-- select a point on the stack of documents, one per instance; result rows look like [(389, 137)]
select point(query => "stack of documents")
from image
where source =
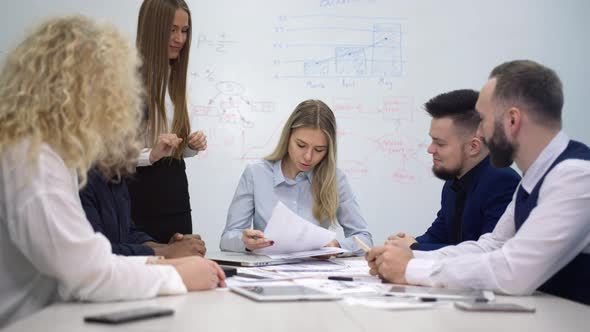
[(295, 237)]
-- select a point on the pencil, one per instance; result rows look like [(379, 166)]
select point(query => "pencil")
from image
[(361, 244)]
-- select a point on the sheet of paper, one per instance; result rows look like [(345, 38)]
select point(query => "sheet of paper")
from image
[(235, 281), (319, 268), (311, 266), (291, 233), (356, 287), (309, 269)]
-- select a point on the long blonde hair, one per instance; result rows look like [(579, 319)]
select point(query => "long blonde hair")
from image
[(324, 185), (73, 84), (153, 35)]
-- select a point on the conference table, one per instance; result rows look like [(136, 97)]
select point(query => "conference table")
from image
[(223, 310)]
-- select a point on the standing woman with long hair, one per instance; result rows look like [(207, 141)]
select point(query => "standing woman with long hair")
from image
[(301, 173), (160, 202)]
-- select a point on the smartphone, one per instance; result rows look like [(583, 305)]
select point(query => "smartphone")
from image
[(493, 306), (129, 315), (229, 271)]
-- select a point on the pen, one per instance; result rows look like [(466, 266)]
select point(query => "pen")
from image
[(340, 278), (361, 244)]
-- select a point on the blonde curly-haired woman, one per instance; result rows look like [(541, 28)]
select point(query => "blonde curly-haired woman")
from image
[(69, 98)]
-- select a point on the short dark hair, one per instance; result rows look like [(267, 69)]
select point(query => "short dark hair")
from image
[(459, 105), (533, 84)]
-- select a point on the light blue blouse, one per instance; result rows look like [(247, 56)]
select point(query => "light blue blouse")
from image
[(263, 184)]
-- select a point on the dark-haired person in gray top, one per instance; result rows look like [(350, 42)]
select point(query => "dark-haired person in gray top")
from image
[(475, 194)]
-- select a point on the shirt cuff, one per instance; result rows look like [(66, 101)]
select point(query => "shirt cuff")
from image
[(419, 271), (137, 259), (421, 254), (173, 284), (172, 281), (232, 241), (144, 158), (146, 250), (188, 152)]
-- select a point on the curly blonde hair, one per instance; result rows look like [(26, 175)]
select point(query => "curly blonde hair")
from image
[(73, 84), (324, 184)]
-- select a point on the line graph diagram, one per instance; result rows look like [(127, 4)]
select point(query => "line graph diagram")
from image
[(323, 46)]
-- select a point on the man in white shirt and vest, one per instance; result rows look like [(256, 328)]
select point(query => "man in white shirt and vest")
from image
[(542, 241)]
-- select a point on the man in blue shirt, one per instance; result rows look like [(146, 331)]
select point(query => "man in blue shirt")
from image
[(475, 194), (107, 206)]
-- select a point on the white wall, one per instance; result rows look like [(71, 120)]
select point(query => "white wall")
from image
[(374, 61)]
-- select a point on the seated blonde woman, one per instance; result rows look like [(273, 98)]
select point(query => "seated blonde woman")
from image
[(70, 99), (301, 173)]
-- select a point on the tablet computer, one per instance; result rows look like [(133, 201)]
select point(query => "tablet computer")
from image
[(283, 293)]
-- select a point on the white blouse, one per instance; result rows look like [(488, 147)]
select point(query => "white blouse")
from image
[(144, 157), (48, 250)]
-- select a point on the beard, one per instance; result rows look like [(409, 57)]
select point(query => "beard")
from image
[(501, 151), (445, 174)]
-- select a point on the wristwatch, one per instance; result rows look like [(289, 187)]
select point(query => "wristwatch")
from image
[(415, 246)]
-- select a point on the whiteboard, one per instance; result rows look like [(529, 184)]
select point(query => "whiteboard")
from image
[(375, 62)]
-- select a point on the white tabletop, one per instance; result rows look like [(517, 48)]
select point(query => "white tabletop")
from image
[(222, 310)]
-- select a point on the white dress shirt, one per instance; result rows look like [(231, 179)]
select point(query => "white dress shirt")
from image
[(48, 249), (510, 262), (261, 187), (144, 157)]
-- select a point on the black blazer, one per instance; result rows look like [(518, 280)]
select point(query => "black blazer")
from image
[(489, 193)]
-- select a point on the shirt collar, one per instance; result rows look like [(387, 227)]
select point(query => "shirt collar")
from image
[(544, 160), (277, 173), (279, 177), (466, 180)]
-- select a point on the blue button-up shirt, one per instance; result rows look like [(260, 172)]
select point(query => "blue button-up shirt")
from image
[(263, 184)]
